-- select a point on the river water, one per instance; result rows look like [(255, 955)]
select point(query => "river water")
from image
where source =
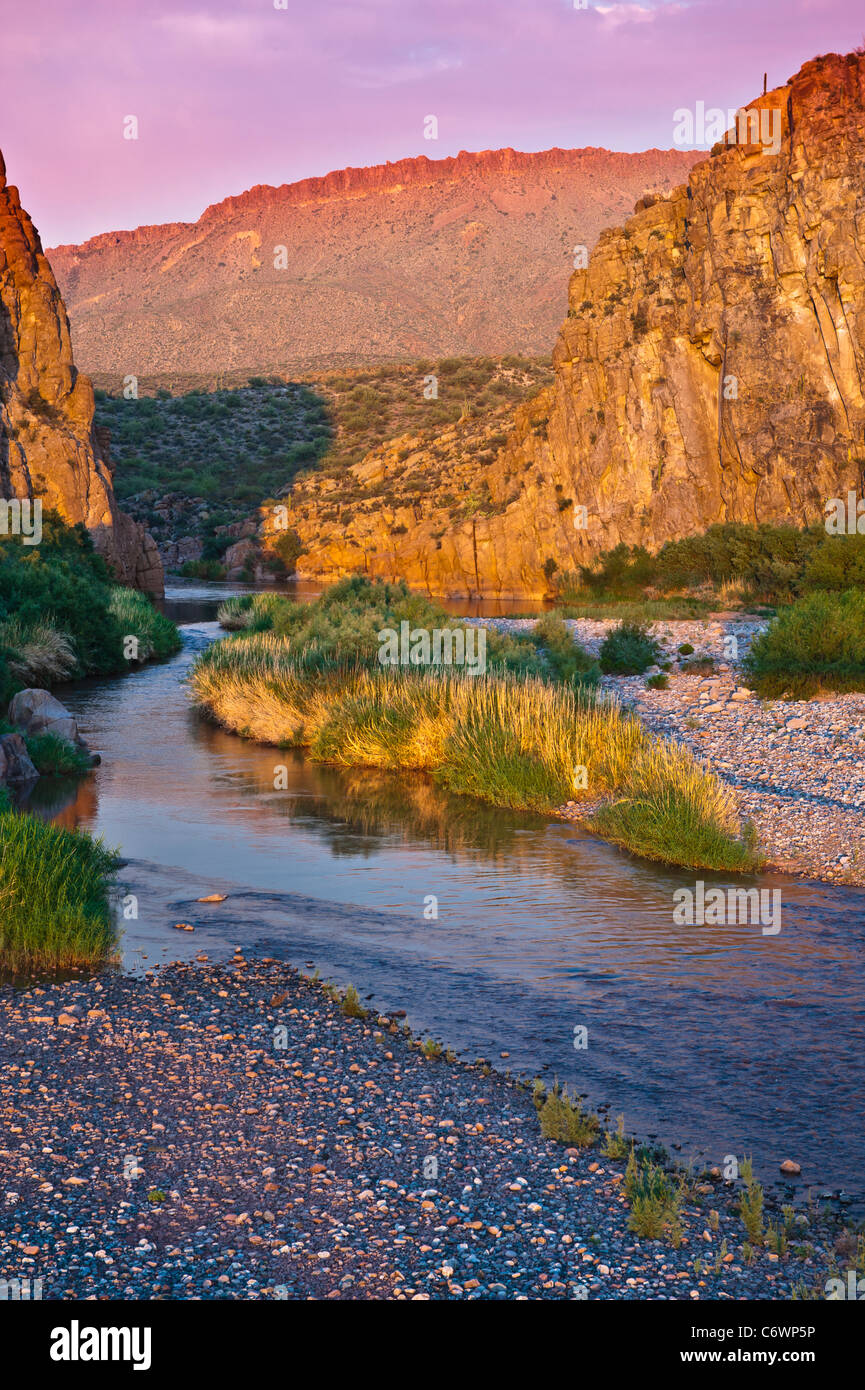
[(713, 1040)]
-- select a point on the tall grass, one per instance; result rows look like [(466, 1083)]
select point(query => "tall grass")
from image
[(137, 617), (344, 624), (54, 910), (38, 654), (510, 740)]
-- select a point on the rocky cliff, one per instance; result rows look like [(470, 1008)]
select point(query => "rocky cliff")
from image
[(48, 448), (710, 368), (421, 257)]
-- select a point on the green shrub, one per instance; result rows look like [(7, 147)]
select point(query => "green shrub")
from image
[(64, 585), (61, 616), (351, 1005), (751, 1205), (816, 644), (699, 666), (659, 681), (567, 660), (616, 1145), (202, 569), (768, 561), (836, 563), (627, 650)]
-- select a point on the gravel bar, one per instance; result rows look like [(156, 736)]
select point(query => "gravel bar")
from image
[(162, 1139), (797, 767)]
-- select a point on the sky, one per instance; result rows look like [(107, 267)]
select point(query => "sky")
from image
[(230, 93)]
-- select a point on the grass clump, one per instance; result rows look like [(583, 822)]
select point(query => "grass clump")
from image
[(54, 909), (616, 1146), (656, 1199), (136, 616), (628, 650), (57, 757), (566, 1121), (677, 812), (38, 655), (351, 1005), (751, 1205), (817, 644)]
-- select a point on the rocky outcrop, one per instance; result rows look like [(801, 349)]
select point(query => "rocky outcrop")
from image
[(37, 711), (710, 369), (422, 257), (48, 448)]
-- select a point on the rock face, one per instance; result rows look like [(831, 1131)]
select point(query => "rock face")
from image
[(421, 257), (710, 369), (47, 444)]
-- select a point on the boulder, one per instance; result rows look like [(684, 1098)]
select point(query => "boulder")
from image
[(15, 764), (37, 712)]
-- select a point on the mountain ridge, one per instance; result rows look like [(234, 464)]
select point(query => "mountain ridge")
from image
[(464, 255)]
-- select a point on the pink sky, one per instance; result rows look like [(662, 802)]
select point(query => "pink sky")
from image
[(231, 93)]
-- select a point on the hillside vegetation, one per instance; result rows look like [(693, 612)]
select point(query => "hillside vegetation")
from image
[(195, 464)]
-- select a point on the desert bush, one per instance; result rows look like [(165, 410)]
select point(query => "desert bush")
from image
[(566, 658), (628, 650), (816, 644)]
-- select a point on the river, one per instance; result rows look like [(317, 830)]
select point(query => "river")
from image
[(712, 1040)]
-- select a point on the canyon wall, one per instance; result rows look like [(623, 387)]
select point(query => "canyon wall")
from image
[(710, 369), (48, 447)]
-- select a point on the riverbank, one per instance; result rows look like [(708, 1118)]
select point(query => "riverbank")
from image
[(796, 767), (163, 1139)]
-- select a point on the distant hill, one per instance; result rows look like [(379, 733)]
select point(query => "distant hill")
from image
[(468, 255)]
